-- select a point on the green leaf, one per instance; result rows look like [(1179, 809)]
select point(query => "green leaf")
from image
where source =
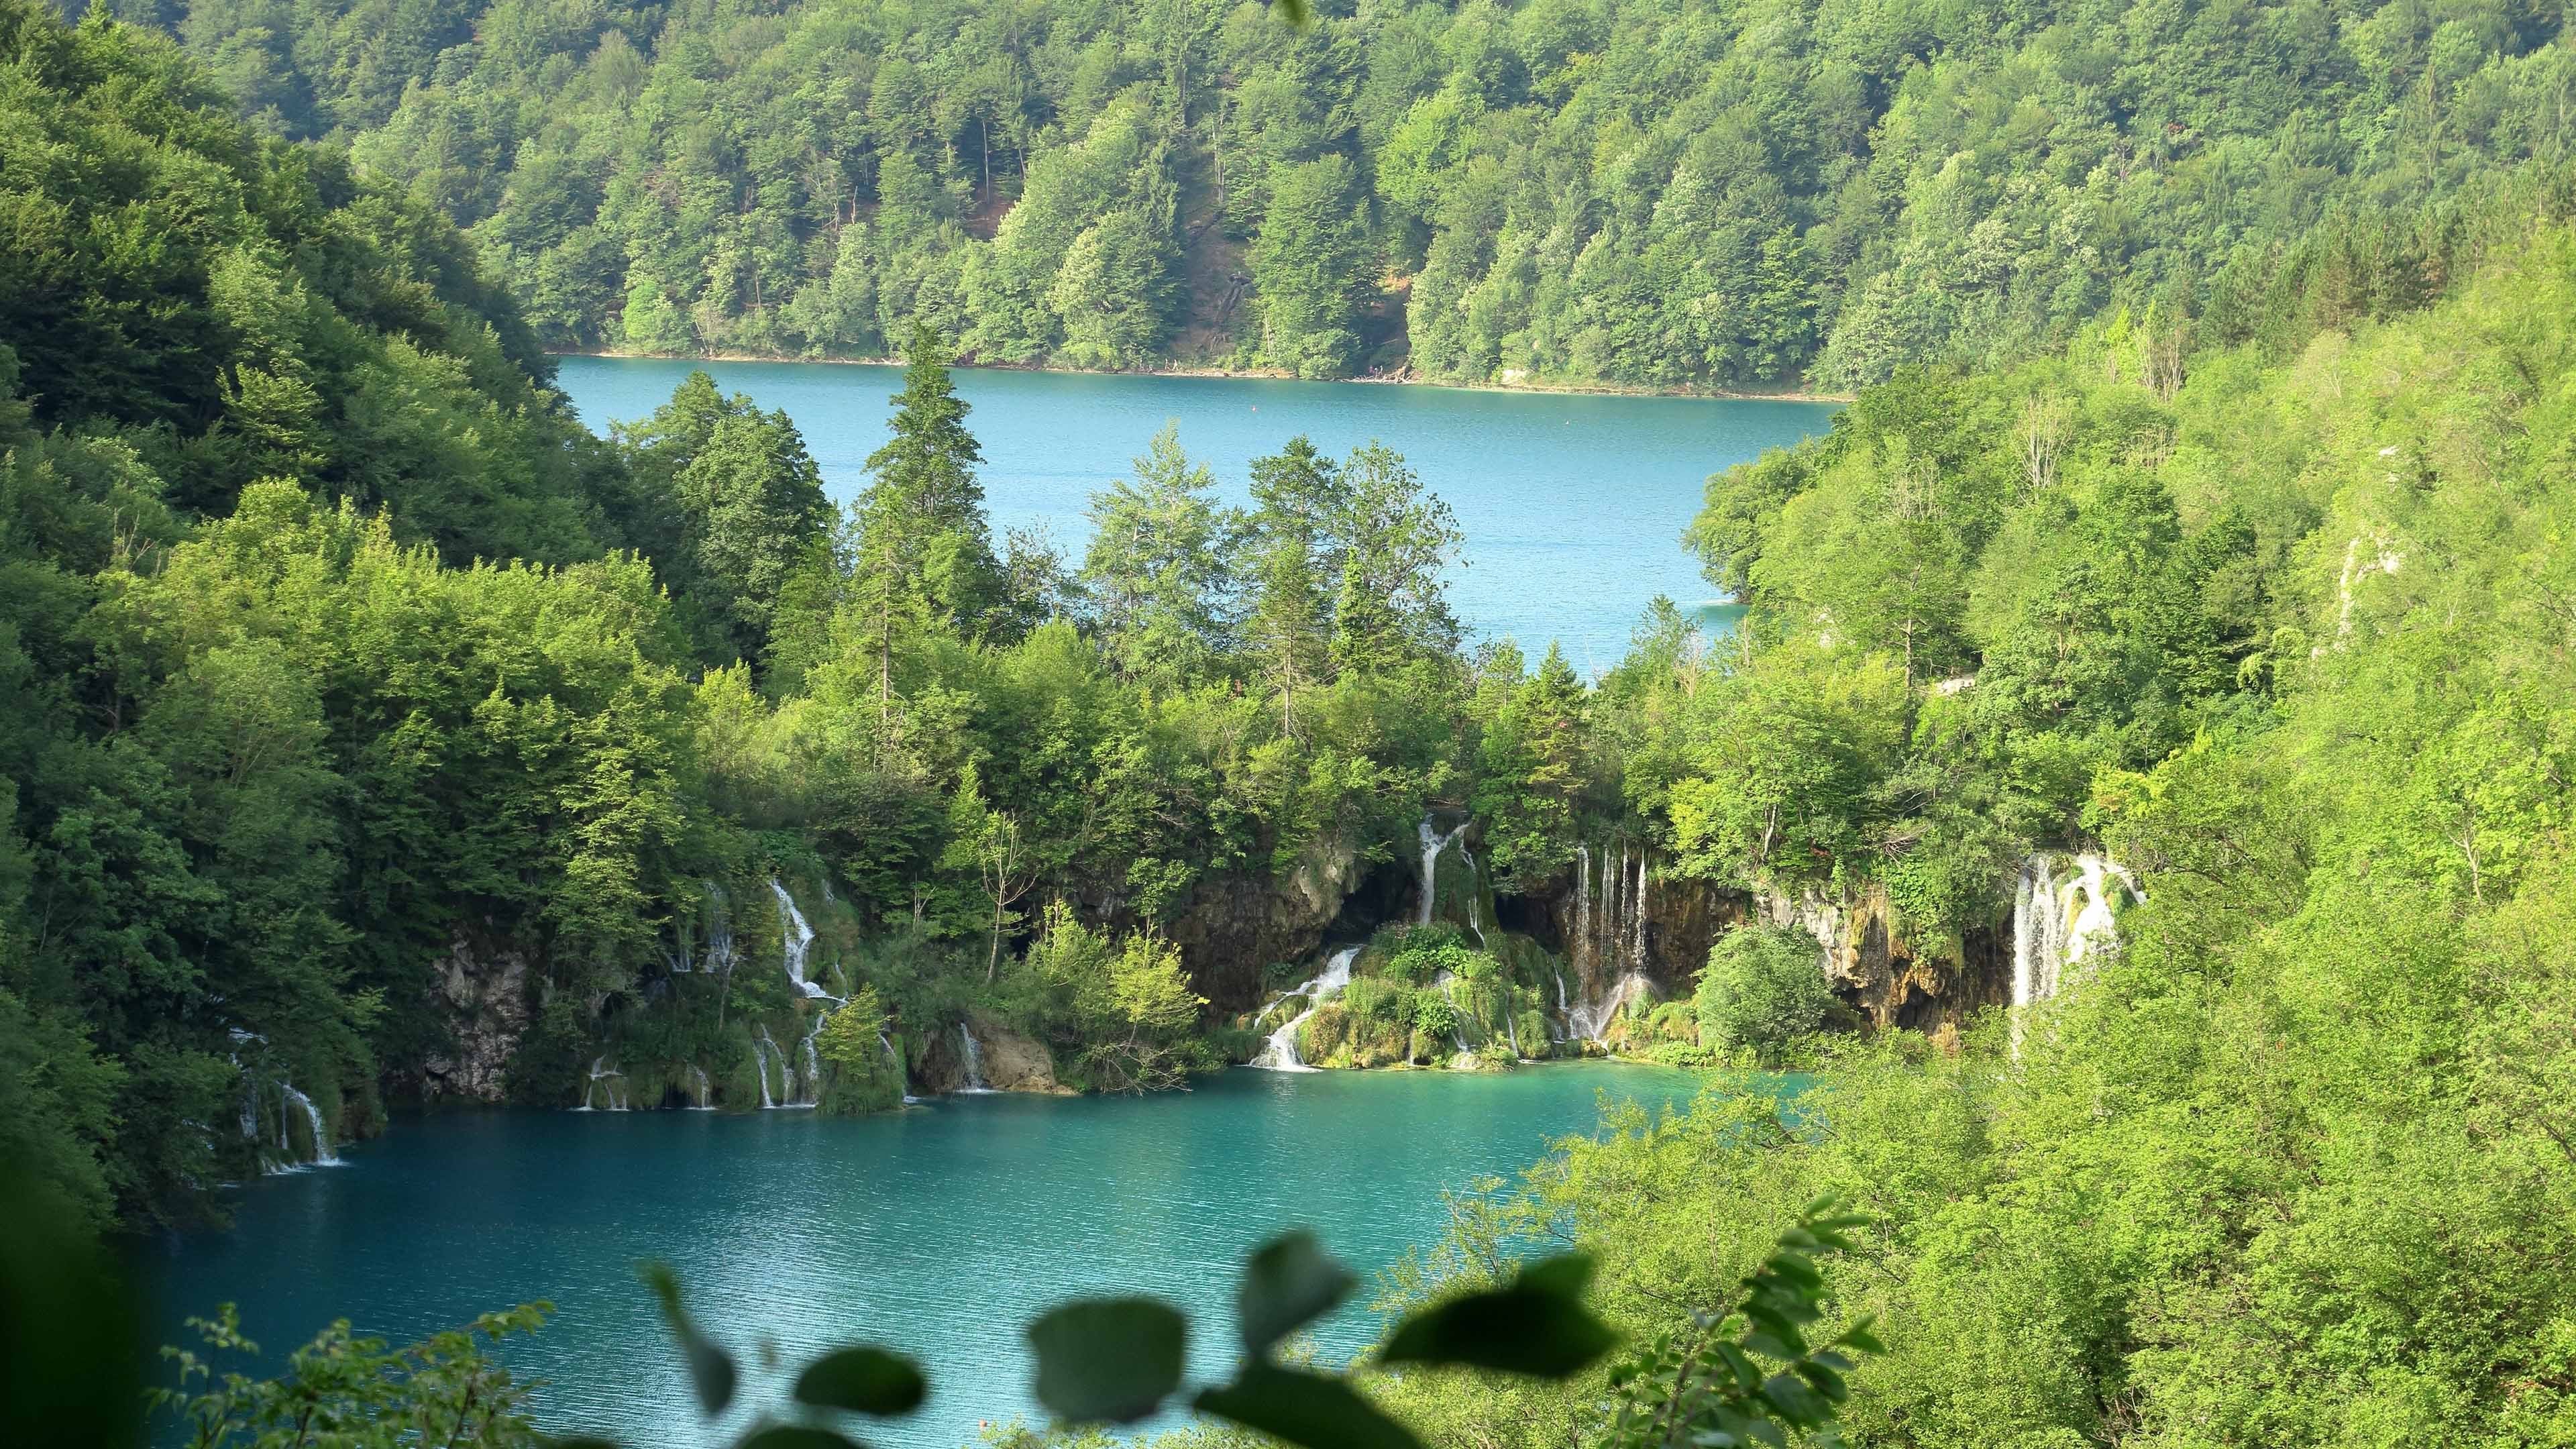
[(1797, 1403), (1537, 1326), (711, 1369), (1108, 1359), (793, 1436), (1297, 1407), (862, 1380), (1288, 1284), (1292, 11)]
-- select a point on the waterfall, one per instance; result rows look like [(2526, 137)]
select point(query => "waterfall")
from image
[(614, 1092), (1582, 899), (1476, 903), (795, 938), (1279, 1054), (706, 1090), (1433, 842), (974, 1060), (323, 1156), (760, 1054), (1564, 1013), (1512, 1028), (1589, 1020), (810, 1093), (2059, 922), (1637, 918), (719, 932)]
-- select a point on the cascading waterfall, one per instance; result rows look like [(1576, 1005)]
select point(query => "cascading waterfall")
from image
[(795, 939), (1582, 899), (1637, 919), (1279, 1053), (761, 1051), (706, 1090), (323, 1156), (1433, 842), (902, 1079), (2059, 922), (1447, 981), (1476, 902), (1592, 1018), (1609, 937), (810, 1087), (614, 1090), (974, 1059)]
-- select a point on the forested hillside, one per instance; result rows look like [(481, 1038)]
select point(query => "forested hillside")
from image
[(1644, 193), (372, 727), (2289, 635)]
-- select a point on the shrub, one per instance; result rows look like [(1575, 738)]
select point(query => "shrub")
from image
[(1764, 987)]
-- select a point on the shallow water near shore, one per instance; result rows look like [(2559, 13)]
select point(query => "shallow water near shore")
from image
[(938, 1231), (1572, 504)]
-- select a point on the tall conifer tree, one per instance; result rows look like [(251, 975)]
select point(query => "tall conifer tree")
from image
[(925, 552)]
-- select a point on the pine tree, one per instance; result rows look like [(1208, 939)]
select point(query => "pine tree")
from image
[(925, 553), (1299, 528)]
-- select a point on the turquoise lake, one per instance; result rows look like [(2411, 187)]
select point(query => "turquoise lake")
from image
[(938, 1231), (1572, 506)]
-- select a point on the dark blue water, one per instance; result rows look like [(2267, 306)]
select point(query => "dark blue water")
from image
[(1573, 506), (939, 1231)]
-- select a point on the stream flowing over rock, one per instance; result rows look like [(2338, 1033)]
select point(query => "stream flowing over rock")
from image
[(2063, 919), (1279, 1051)]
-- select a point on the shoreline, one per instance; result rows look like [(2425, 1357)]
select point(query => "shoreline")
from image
[(1558, 389)]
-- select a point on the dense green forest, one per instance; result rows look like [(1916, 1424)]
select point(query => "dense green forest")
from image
[(1643, 193), (338, 657)]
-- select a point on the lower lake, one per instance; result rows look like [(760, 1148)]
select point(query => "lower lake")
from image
[(939, 1231), (1572, 505)]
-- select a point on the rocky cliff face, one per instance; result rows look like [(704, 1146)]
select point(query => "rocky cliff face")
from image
[(484, 986), (1889, 981), (1002, 1061), (1235, 925), (1614, 913)]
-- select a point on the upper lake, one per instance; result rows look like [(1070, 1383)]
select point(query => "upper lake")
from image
[(1572, 505), (938, 1231)]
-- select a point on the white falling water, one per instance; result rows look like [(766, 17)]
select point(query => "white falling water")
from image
[(809, 1090), (719, 932), (1433, 842), (1476, 903), (1447, 981), (706, 1101), (1591, 1019), (1512, 1029), (1564, 1013), (762, 1050), (1279, 1053), (974, 1060), (606, 1089), (323, 1156), (2060, 922), (795, 938), (1582, 898), (1637, 919)]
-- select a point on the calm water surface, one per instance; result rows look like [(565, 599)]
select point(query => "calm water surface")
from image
[(1573, 506), (939, 1231)]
